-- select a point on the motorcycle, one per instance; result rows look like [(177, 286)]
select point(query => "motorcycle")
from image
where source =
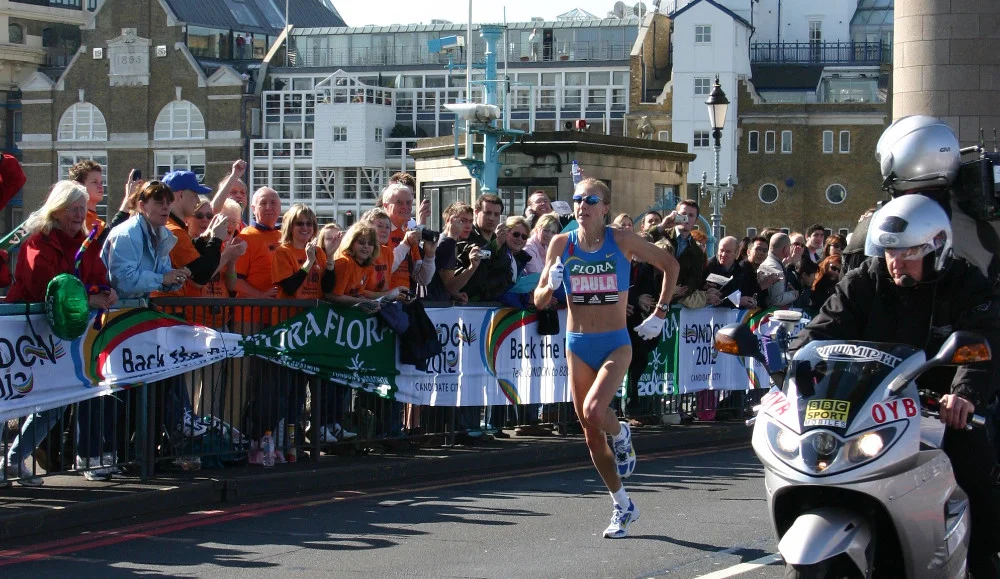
[(857, 484)]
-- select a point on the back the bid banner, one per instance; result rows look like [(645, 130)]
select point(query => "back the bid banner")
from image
[(489, 356), (131, 347)]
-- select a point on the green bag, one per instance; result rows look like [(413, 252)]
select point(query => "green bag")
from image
[(67, 307)]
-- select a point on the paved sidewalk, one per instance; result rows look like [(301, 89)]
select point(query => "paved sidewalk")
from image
[(68, 501)]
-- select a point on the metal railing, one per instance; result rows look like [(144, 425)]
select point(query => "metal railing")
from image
[(313, 56), (213, 417), (871, 53)]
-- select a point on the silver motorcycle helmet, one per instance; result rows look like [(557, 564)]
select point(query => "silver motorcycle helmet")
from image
[(912, 227), (917, 152)]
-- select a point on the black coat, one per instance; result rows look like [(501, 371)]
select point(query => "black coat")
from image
[(493, 277), (867, 305)]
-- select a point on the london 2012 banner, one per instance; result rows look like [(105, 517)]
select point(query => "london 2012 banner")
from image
[(489, 356), (130, 347)]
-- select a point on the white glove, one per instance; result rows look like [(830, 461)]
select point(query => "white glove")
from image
[(651, 327), (556, 274)]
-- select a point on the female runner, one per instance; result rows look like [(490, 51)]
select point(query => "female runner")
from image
[(593, 263)]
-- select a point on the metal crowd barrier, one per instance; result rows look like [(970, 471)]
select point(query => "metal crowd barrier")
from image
[(213, 417)]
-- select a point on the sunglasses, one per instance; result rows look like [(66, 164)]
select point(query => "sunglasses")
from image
[(206, 215), (837, 269), (303, 224), (517, 235), (588, 199)]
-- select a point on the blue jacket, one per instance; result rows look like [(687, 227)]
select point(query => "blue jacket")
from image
[(135, 267)]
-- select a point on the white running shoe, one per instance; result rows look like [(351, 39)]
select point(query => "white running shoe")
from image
[(624, 453), (191, 426), (335, 433), (620, 520), (94, 474)]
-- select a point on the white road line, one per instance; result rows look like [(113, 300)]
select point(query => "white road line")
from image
[(742, 567)]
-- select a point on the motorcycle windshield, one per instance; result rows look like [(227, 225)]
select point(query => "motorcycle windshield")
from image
[(833, 379)]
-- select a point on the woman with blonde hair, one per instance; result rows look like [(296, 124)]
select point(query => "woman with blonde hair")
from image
[(299, 265), (56, 235), (354, 267), (593, 265), (545, 228)]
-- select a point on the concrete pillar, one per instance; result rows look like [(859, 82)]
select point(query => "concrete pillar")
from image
[(946, 63)]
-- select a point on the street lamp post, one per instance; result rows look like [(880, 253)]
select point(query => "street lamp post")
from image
[(717, 192)]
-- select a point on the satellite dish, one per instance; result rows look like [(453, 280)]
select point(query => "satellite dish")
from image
[(619, 9), (639, 9)]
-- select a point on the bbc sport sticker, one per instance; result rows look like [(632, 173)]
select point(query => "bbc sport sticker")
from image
[(827, 413)]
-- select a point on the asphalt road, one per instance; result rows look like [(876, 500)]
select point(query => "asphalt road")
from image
[(702, 516)]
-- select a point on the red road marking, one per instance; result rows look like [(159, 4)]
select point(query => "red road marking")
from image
[(88, 541)]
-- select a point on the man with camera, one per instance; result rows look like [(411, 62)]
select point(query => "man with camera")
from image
[(676, 230), (411, 267), (493, 276)]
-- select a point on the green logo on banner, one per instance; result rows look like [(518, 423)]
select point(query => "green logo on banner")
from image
[(338, 344)]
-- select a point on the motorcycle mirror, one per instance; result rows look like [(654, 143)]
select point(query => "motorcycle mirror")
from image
[(961, 347), (738, 340)]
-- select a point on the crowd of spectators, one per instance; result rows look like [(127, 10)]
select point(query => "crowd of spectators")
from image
[(170, 239)]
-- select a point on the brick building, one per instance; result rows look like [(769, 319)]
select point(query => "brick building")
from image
[(804, 163), (156, 85)]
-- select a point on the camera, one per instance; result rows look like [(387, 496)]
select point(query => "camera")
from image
[(485, 254), (680, 218), (426, 233)]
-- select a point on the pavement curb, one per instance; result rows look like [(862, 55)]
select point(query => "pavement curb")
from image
[(174, 496)]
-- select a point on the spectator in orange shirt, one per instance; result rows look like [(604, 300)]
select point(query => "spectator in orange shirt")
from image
[(413, 269), (89, 174), (299, 266), (354, 266), (253, 281), (253, 268), (388, 258)]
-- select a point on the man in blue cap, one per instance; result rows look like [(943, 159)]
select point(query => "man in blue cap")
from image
[(201, 257)]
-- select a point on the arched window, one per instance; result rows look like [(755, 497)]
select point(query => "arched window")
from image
[(83, 122), (836, 194), (180, 120), (15, 34), (768, 193)]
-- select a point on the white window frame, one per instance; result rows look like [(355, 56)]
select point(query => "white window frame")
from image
[(841, 148), (340, 134), (704, 33), (769, 141), (827, 194), (165, 161), (827, 146), (662, 135), (378, 134), (785, 150), (702, 85), (705, 136), (753, 142), (180, 120), (751, 232), (760, 194), (82, 122)]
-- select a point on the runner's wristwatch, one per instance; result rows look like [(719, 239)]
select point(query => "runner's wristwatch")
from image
[(665, 308)]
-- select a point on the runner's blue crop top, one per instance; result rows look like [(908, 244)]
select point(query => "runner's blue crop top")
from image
[(595, 278)]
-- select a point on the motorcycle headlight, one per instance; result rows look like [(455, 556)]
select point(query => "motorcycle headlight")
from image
[(867, 446), (787, 441), (783, 442)]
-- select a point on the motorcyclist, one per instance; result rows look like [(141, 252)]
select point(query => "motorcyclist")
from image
[(913, 291), (921, 154)]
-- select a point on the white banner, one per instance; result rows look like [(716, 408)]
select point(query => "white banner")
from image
[(490, 356), (699, 365), (39, 371)]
